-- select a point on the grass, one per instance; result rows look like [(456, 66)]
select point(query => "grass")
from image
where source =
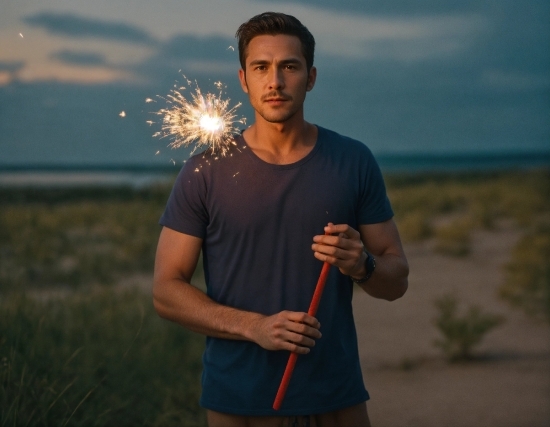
[(527, 274), (94, 355), (454, 238), (86, 238), (99, 356), (96, 359), (461, 332), (473, 201)]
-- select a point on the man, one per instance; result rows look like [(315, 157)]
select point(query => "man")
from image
[(288, 196)]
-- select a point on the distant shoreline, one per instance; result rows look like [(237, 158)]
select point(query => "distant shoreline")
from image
[(390, 161), (140, 175)]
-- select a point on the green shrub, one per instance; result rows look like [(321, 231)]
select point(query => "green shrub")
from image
[(461, 333), (104, 359), (454, 238), (483, 198), (414, 227), (527, 279)]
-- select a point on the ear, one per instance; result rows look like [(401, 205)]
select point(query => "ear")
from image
[(242, 79), (311, 78)]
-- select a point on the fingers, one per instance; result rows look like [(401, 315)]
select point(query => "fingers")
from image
[(302, 318), (343, 248), (329, 253), (288, 330), (344, 229), (341, 235)]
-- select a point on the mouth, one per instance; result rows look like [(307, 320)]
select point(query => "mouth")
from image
[(276, 100)]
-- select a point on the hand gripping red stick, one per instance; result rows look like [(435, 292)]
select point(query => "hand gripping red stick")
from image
[(294, 356)]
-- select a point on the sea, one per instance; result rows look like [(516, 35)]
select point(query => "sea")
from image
[(140, 175)]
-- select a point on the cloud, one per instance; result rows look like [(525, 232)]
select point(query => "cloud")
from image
[(193, 55), (186, 46), (394, 8), (80, 27), (397, 38), (375, 30), (79, 58), (515, 81), (11, 66), (9, 71)]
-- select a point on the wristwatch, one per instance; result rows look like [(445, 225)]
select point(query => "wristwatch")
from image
[(370, 265)]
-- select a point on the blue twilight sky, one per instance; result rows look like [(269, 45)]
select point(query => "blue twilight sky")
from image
[(403, 76)]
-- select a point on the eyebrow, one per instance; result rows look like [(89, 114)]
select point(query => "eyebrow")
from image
[(283, 62)]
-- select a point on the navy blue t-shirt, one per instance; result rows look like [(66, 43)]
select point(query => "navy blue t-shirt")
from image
[(257, 221)]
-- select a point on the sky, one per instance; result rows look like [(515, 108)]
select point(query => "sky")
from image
[(424, 76)]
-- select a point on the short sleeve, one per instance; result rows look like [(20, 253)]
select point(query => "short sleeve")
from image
[(186, 207), (374, 205)]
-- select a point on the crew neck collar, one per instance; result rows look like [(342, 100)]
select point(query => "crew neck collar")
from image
[(298, 163)]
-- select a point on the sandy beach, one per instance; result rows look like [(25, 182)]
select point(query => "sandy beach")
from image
[(408, 378)]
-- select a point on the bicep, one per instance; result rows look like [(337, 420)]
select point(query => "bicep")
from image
[(382, 238), (177, 256)]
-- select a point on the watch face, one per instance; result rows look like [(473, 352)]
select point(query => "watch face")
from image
[(373, 264), (370, 265)]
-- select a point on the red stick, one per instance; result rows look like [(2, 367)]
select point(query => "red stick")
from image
[(294, 356)]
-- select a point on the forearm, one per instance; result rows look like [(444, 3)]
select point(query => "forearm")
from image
[(177, 300), (344, 247), (390, 278), (183, 303)]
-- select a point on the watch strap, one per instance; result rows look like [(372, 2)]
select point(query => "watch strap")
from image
[(370, 265)]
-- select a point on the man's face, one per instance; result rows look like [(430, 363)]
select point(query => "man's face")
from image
[(276, 77)]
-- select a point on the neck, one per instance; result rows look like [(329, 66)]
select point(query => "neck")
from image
[(281, 143)]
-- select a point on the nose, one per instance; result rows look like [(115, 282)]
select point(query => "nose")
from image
[(276, 79)]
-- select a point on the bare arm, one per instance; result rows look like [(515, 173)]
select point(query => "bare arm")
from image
[(176, 299), (344, 249)]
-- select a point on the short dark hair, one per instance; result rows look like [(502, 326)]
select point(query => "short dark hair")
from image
[(273, 23)]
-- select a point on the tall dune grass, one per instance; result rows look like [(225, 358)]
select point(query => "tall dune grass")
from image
[(96, 359), (100, 356), (422, 203), (79, 238)]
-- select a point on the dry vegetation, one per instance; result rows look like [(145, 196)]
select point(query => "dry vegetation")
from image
[(100, 356)]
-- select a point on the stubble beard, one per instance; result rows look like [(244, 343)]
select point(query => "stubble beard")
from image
[(276, 117), (279, 115)]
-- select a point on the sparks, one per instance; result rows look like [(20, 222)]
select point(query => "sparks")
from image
[(122, 114), (21, 35), (205, 120)]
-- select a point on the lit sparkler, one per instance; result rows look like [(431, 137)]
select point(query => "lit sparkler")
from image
[(206, 120)]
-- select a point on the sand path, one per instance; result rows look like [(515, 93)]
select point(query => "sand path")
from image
[(409, 381)]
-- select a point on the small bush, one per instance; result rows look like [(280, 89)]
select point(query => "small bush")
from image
[(461, 333), (415, 227), (454, 238), (527, 280)]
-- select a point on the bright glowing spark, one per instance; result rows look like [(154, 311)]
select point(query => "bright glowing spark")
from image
[(205, 120), (21, 35), (149, 100), (122, 114)]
